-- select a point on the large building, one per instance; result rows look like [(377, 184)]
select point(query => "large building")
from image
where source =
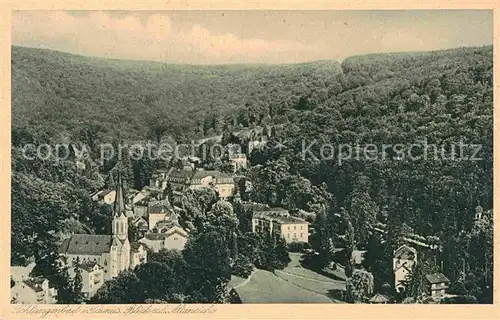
[(189, 178), (278, 220), (405, 259), (113, 253)]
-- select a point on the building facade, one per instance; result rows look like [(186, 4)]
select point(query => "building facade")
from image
[(33, 291), (405, 259), (190, 178), (174, 238), (92, 277), (278, 220), (437, 284), (114, 252)]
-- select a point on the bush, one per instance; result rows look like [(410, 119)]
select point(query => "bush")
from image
[(242, 267), (298, 246)]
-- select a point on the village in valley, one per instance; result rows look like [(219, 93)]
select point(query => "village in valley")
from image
[(188, 157), (154, 220)]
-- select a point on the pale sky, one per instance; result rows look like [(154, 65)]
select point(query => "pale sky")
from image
[(217, 37)]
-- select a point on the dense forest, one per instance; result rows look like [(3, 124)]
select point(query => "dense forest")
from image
[(442, 97)]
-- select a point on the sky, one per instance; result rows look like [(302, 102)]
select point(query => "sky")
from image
[(253, 36)]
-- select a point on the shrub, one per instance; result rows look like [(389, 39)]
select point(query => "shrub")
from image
[(242, 266)]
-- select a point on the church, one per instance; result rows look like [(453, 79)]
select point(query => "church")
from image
[(113, 253)]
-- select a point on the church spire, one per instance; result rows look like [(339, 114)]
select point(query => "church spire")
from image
[(119, 208)]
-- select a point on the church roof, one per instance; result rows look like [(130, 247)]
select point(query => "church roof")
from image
[(119, 206), (90, 244)]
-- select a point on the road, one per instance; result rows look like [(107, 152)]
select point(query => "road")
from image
[(294, 284)]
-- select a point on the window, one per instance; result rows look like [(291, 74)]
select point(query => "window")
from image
[(295, 235), (294, 227), (288, 228), (301, 235), (301, 227)]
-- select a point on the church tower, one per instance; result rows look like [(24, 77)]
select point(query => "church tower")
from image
[(120, 245), (120, 221)]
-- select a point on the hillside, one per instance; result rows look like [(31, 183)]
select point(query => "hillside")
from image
[(59, 92), (443, 97)]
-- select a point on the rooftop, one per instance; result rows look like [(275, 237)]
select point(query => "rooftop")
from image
[(379, 298), (436, 278), (90, 244), (405, 252), (281, 219), (87, 265), (35, 283)]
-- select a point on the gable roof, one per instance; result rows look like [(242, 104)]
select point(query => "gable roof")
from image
[(35, 283), (87, 265), (90, 244), (135, 246), (200, 174), (160, 207), (405, 252), (436, 278), (379, 298), (168, 233)]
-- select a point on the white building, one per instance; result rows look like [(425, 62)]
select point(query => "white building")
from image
[(405, 258)]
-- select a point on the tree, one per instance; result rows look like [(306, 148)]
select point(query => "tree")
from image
[(208, 271), (77, 286), (416, 283), (159, 281), (321, 239), (124, 289), (350, 244), (359, 286), (363, 210)]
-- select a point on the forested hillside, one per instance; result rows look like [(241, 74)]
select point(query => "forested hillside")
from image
[(60, 92), (443, 97)]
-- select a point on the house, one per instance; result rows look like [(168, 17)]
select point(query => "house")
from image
[(189, 178), (479, 212), (238, 161), (405, 258), (141, 207), (221, 182), (92, 277), (437, 284), (379, 299), (106, 196), (278, 220), (112, 252), (159, 211), (20, 273), (33, 291), (172, 237), (133, 196), (357, 258)]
